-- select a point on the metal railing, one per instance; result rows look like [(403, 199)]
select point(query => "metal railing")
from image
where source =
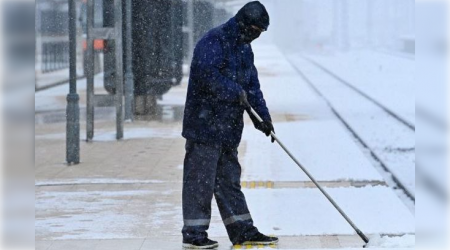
[(55, 56)]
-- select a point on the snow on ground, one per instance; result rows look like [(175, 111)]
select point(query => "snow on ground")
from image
[(375, 210), (55, 98), (314, 135), (406, 242), (392, 242), (318, 145), (304, 123), (94, 181), (49, 78), (102, 135), (125, 212), (393, 142), (108, 214), (86, 214), (284, 90), (386, 78)]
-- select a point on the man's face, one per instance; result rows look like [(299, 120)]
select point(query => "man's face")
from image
[(250, 33)]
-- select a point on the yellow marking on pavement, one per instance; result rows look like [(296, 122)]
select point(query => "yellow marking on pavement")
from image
[(249, 246), (292, 117), (260, 246), (237, 246), (257, 184), (272, 245)]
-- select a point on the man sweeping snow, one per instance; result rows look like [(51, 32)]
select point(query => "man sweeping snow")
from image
[(223, 83)]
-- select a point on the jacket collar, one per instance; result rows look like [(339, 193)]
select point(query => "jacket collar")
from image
[(231, 29)]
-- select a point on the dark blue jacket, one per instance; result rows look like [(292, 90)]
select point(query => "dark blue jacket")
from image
[(221, 67)]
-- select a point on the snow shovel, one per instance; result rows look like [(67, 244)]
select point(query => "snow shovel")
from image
[(359, 232)]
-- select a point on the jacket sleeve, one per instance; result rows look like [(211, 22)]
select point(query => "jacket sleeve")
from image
[(256, 98), (206, 62)]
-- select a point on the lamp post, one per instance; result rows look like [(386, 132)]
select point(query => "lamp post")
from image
[(73, 109)]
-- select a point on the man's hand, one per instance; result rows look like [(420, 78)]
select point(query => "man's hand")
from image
[(243, 99), (267, 128)]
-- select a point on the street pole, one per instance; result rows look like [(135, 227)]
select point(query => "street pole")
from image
[(73, 109), (118, 54), (190, 24), (129, 85)]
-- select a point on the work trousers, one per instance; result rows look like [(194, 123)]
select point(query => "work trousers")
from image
[(213, 170)]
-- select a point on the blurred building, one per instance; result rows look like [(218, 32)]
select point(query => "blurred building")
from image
[(344, 24)]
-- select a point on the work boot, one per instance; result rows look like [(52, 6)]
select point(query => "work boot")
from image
[(258, 239), (204, 243)]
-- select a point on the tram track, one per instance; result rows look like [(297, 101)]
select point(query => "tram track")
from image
[(397, 182), (362, 93)]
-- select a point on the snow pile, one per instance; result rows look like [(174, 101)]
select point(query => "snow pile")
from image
[(377, 241)]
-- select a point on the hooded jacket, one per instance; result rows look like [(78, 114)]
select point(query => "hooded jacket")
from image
[(221, 68)]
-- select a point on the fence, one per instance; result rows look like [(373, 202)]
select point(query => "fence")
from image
[(55, 56)]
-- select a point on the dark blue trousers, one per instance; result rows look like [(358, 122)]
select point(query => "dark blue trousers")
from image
[(213, 170)]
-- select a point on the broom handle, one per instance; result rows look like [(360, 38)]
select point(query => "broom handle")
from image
[(359, 232)]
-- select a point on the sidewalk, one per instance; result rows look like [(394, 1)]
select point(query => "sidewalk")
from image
[(55, 78), (127, 194)]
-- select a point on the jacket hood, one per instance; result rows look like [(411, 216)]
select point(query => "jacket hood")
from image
[(253, 13)]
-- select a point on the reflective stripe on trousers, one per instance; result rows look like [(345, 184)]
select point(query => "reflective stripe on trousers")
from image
[(235, 218), (199, 222)]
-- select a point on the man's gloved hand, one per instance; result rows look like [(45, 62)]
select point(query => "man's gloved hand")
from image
[(243, 99), (266, 127)]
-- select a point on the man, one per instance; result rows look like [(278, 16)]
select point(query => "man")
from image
[(223, 83)]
